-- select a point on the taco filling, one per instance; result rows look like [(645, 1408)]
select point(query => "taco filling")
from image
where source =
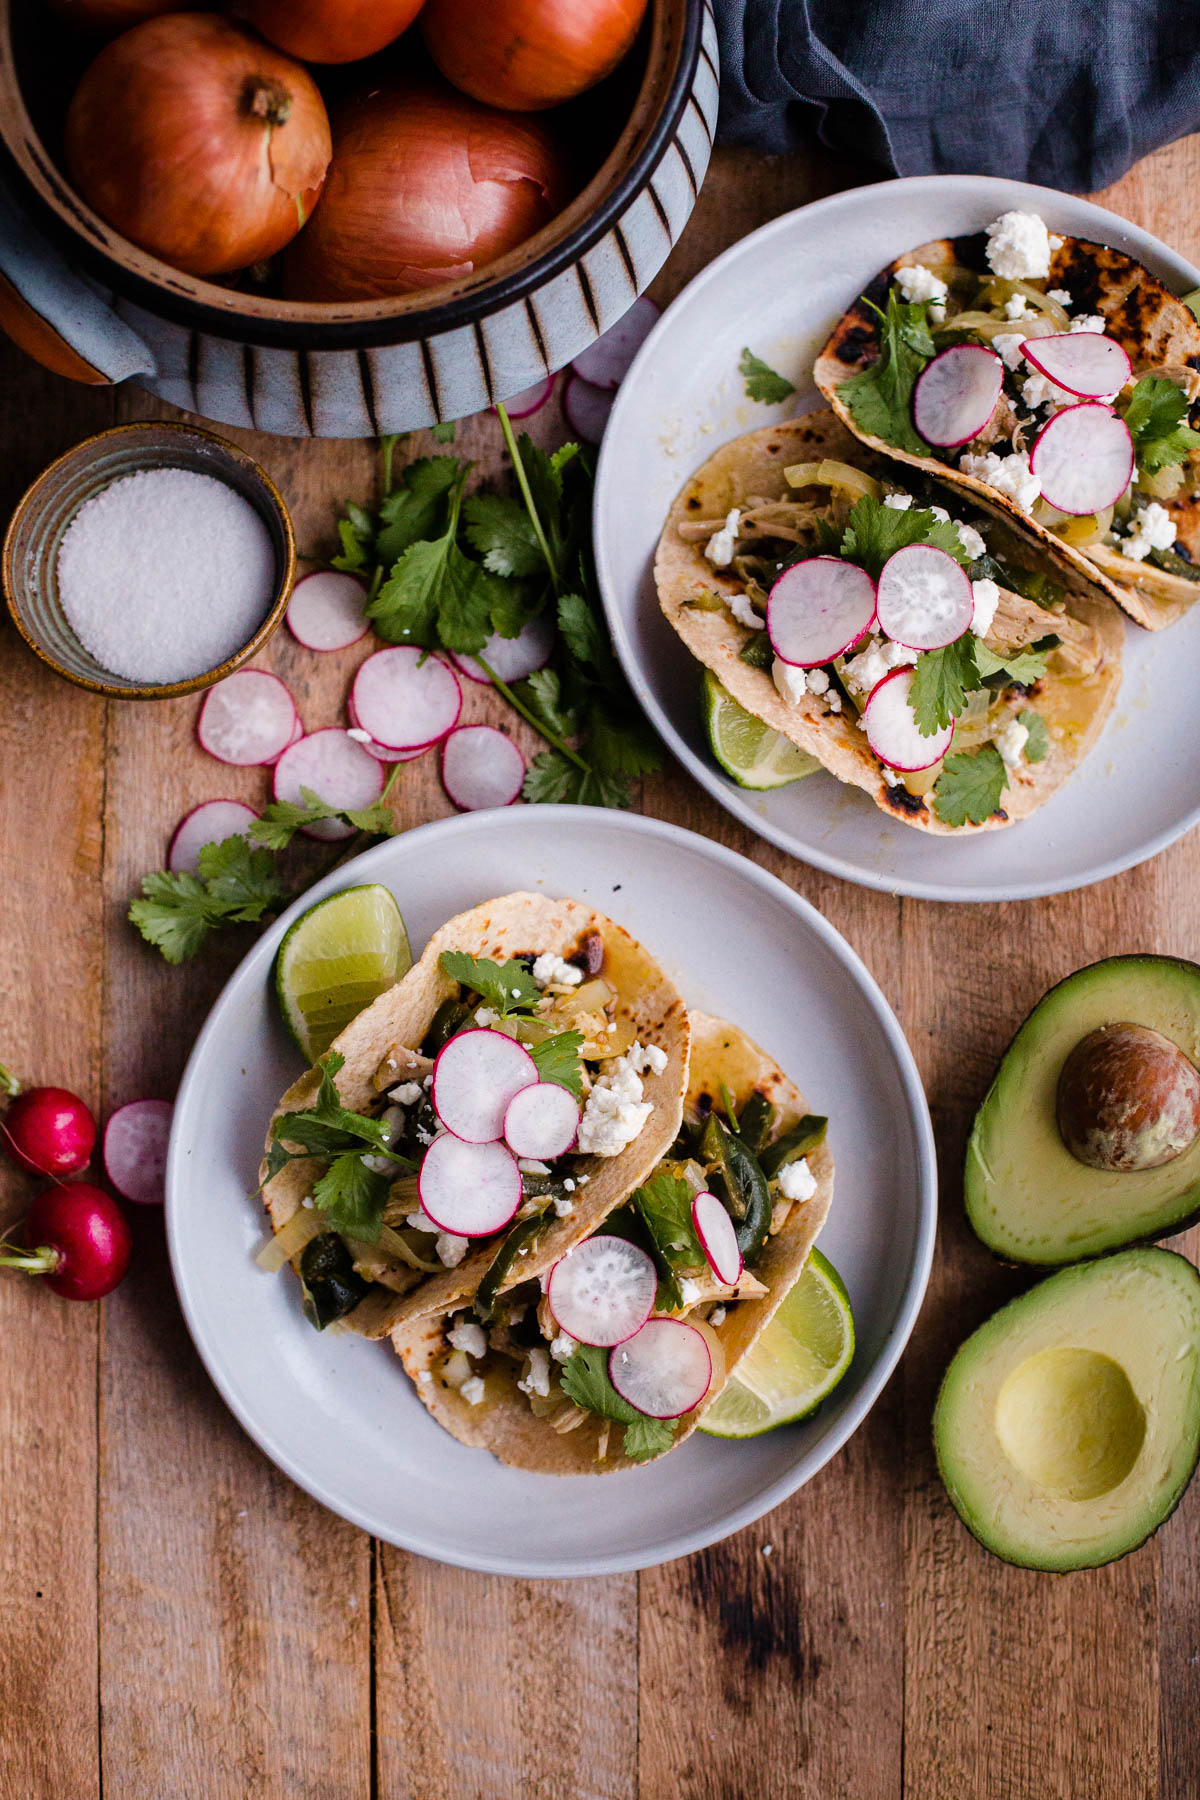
[(922, 653), (1058, 374), (608, 1354), (531, 1088)]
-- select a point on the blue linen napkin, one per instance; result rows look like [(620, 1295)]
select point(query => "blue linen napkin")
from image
[(1066, 95)]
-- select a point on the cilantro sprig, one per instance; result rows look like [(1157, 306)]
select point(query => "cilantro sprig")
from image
[(969, 786), (875, 532), (1155, 417), (943, 678), (557, 1059), (762, 381), (586, 1381), (351, 1195), (664, 1205), (506, 987), (880, 397)]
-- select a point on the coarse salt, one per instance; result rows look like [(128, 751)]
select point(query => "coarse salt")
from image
[(165, 574)]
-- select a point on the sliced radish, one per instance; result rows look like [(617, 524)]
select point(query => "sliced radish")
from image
[(529, 400), (587, 408), (819, 608), (1083, 458), (406, 698), (135, 1150), (891, 726), (335, 768), (512, 659), (475, 1076), (718, 1238), (924, 598), (603, 1290), (297, 734), (326, 610), (956, 394), (481, 767), (541, 1121), (379, 751), (1086, 363), (470, 1190), (605, 363), (664, 1370), (250, 717), (207, 824)]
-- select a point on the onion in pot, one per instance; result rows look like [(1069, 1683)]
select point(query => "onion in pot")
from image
[(199, 142), (529, 54), (330, 31), (109, 16), (425, 187)]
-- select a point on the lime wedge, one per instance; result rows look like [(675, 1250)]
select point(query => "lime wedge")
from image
[(338, 957), (798, 1360), (751, 752)]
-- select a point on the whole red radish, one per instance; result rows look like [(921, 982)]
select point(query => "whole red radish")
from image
[(49, 1131), (77, 1239)]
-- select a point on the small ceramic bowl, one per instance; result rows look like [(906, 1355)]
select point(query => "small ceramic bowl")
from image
[(29, 559)]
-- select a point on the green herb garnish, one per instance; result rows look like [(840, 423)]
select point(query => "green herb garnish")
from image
[(557, 1059), (505, 987), (1037, 744), (943, 678), (1155, 417), (235, 885), (875, 532), (880, 397), (282, 819), (969, 786), (762, 381), (585, 1381), (351, 1195)]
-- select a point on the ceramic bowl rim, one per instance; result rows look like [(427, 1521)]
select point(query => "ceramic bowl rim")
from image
[(83, 242), (195, 683)]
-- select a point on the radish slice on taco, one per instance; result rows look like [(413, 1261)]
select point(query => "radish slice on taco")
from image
[(609, 1354), (944, 661), (1067, 325), (396, 1166)]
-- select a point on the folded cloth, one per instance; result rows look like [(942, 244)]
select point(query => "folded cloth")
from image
[(1066, 96)]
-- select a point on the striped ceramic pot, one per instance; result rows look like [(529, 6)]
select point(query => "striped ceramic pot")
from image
[(84, 301)]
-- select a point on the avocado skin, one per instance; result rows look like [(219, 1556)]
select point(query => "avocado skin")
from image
[(1048, 1563), (1176, 1185)]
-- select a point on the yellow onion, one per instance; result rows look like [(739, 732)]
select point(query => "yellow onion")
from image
[(199, 142), (330, 31), (425, 187), (109, 16), (529, 54)]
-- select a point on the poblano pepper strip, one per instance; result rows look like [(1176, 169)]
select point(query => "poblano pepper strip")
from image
[(803, 1137), (742, 1184), (519, 1238)]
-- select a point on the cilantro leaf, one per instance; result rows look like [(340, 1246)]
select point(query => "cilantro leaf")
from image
[(622, 744), (234, 885), (416, 509), (1024, 666), (940, 683), (880, 397), (585, 637), (328, 1128), (541, 692), (505, 987), (762, 381), (443, 431), (499, 527), (970, 786), (585, 1380), (1155, 417), (282, 819), (557, 1059), (665, 1205), (357, 547), (553, 777), (352, 1197), (875, 532), (1037, 744)]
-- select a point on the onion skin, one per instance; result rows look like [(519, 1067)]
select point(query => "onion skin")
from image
[(199, 142), (528, 54), (425, 187), (330, 31)]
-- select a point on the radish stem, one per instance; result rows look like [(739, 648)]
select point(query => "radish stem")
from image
[(543, 731), (42, 1261)]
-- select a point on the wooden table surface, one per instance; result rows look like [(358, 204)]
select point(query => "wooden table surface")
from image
[(177, 1620)]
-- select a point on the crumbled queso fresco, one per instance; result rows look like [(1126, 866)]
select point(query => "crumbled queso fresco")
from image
[(722, 544), (1152, 528), (616, 1111), (1009, 475), (796, 1180), (1019, 246), (1011, 741), (986, 595), (552, 970)]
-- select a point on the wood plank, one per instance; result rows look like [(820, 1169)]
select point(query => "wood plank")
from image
[(51, 792)]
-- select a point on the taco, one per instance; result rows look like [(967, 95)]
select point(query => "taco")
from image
[(1124, 478), (500, 1372), (972, 735), (533, 994)]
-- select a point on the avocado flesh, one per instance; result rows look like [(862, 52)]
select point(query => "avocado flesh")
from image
[(1068, 1426), (1026, 1196)]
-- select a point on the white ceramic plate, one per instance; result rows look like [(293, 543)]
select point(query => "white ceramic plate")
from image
[(339, 1416), (779, 292)]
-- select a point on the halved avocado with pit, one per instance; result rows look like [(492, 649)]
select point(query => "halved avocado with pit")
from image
[(1068, 1426), (1027, 1196)]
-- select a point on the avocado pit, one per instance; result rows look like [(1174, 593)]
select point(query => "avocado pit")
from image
[(1128, 1099)]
